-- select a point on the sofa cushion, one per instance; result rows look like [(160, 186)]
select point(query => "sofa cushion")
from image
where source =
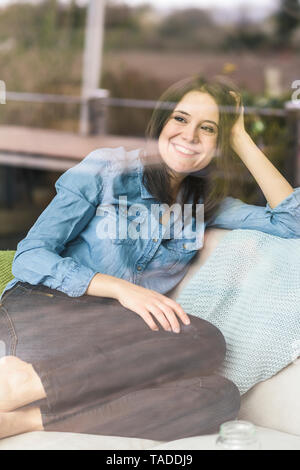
[(249, 290), (212, 238), (272, 403), (275, 402), (6, 259), (269, 440), (41, 440)]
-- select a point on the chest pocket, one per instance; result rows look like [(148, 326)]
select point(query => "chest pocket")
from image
[(182, 246), (116, 224)]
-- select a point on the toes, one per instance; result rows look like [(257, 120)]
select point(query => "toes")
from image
[(5, 430), (12, 361), (19, 422), (5, 359), (14, 377), (19, 384)]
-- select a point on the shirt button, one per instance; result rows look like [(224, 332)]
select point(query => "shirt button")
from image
[(139, 268), (185, 246), (154, 240)]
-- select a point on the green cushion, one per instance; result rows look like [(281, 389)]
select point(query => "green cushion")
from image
[(6, 259)]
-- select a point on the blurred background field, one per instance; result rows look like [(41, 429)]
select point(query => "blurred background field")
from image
[(147, 48)]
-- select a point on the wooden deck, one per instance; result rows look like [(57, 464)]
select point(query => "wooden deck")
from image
[(54, 150)]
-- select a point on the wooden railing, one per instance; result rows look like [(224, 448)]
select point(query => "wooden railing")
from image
[(99, 101)]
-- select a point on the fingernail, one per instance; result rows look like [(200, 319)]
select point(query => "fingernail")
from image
[(176, 330)]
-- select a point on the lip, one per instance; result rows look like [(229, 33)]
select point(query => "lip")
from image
[(181, 153)]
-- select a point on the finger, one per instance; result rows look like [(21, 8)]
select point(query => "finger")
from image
[(238, 99), (178, 310), (149, 320), (160, 316), (170, 315), (236, 96)]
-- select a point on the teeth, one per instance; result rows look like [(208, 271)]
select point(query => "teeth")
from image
[(184, 150)]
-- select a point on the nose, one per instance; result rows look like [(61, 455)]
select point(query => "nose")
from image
[(190, 134)]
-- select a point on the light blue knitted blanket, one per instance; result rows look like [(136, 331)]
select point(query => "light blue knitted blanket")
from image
[(249, 288)]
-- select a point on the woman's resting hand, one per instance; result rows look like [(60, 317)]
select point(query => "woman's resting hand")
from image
[(148, 303)]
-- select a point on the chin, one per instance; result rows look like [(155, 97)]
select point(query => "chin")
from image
[(180, 170), (185, 169)]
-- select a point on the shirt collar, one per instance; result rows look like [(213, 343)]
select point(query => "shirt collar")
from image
[(144, 192)]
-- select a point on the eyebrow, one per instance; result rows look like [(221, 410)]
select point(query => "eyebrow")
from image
[(187, 114)]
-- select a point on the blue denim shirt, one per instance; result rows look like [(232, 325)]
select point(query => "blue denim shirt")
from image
[(72, 239)]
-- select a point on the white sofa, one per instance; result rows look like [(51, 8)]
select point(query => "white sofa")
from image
[(273, 406)]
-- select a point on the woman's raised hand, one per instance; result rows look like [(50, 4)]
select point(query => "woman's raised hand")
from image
[(151, 305), (238, 128)]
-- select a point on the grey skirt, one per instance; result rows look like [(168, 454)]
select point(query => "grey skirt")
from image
[(105, 372)]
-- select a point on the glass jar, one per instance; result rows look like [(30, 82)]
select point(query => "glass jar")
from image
[(237, 435)]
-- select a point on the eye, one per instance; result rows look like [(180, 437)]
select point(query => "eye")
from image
[(208, 129), (179, 118)]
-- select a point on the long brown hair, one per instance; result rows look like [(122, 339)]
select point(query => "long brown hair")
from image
[(212, 184)]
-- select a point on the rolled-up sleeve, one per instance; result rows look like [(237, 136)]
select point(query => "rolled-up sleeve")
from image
[(283, 220), (37, 259)]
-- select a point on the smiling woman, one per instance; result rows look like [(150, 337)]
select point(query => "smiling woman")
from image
[(193, 140), (187, 144), (79, 316)]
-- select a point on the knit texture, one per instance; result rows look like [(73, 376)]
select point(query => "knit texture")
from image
[(6, 259), (250, 289)]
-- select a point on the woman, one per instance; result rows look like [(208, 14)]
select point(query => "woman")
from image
[(83, 363)]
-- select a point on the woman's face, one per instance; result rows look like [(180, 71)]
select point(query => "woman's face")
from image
[(188, 140)]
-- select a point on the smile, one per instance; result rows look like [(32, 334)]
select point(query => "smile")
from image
[(183, 150)]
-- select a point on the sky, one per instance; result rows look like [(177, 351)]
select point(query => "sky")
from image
[(205, 4), (166, 4), (223, 10)]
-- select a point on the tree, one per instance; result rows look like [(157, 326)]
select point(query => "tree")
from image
[(48, 23), (192, 28), (287, 20), (183, 22)]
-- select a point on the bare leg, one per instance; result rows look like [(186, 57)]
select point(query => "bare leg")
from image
[(19, 384), (20, 421)]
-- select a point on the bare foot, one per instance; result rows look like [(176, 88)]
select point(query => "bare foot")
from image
[(19, 384), (18, 422)]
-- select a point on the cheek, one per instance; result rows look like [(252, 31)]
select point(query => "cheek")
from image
[(210, 146), (163, 139), (168, 131)]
